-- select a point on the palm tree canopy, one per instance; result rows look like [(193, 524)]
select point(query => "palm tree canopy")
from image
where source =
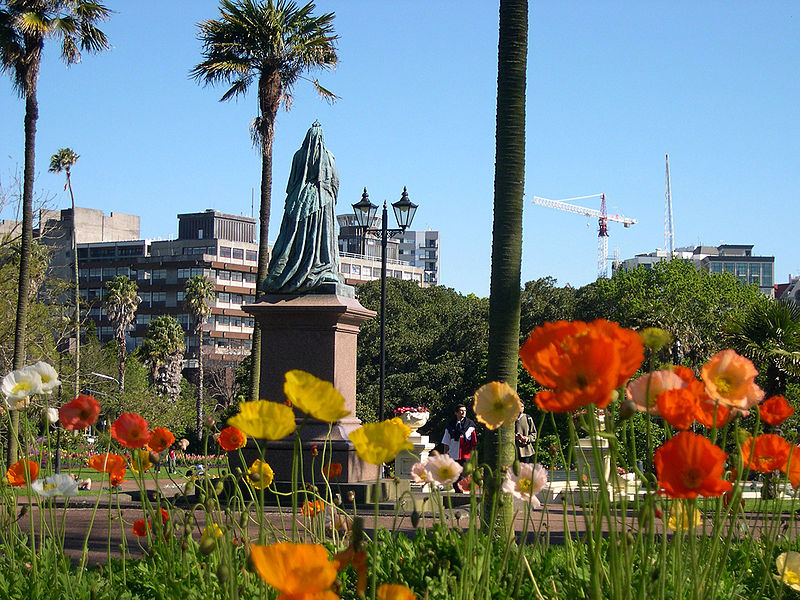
[(769, 334), (121, 302), (63, 160), (163, 340), (199, 294), (265, 39), (26, 24)]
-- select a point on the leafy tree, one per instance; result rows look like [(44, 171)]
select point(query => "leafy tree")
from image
[(64, 160), (769, 335), (509, 184), (542, 301), (121, 303), (693, 305), (272, 43), (197, 300), (435, 349), (25, 25), (162, 350)]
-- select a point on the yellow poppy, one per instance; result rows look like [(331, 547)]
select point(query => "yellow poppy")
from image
[(377, 443), (296, 570), (212, 530), (140, 461), (395, 591), (496, 404), (260, 474), (788, 565), (314, 396), (264, 420), (679, 517)]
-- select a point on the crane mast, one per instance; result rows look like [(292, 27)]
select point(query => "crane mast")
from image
[(669, 226), (602, 217)]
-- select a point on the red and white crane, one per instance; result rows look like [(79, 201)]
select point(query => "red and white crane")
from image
[(602, 220)]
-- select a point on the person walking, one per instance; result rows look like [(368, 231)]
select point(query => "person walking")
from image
[(460, 437), (525, 435), (172, 460)]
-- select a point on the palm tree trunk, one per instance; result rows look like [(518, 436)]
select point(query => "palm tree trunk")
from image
[(77, 298), (23, 289), (200, 383), (121, 355), (509, 183), (269, 90)]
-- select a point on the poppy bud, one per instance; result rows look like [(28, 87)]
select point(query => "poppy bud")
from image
[(351, 496), (655, 338), (254, 476), (154, 457), (468, 468), (626, 410), (337, 499), (223, 572), (515, 467), (207, 545), (314, 450), (415, 519), (238, 471), (358, 532), (209, 422)]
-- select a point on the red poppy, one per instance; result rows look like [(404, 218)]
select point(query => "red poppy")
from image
[(107, 462), (164, 515), (22, 472), (140, 527), (767, 453), (678, 407), (581, 362), (689, 465), (332, 470), (160, 439), (705, 414), (231, 438), (775, 410), (79, 414), (310, 508), (116, 478), (130, 430)]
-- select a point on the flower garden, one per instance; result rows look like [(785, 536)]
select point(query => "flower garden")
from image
[(678, 527)]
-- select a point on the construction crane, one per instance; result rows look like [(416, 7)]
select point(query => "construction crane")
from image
[(602, 220), (669, 225)]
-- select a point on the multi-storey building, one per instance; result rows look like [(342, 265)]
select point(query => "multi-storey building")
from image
[(737, 259), (219, 246)]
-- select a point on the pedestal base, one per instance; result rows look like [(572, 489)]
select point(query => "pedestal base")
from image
[(406, 460)]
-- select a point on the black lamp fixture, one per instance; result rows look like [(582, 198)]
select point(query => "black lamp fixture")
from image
[(365, 211)]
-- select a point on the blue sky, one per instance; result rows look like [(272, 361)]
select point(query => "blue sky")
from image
[(612, 88)]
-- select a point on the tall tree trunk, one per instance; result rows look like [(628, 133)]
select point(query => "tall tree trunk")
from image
[(200, 383), (269, 92), (77, 297), (509, 184), (23, 289), (122, 353)]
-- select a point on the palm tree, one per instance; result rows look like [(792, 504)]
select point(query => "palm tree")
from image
[(63, 160), (769, 335), (272, 43), (163, 349), (24, 27), (509, 183), (199, 294), (121, 302)]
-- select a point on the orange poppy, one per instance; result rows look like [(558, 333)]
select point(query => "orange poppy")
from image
[(730, 379), (793, 467), (394, 591), (767, 453), (358, 560), (689, 465), (332, 470), (231, 438), (107, 462), (80, 413), (164, 515), (678, 407), (22, 472), (130, 430), (140, 527), (116, 478), (310, 508), (775, 410), (296, 570), (161, 438), (581, 362), (706, 410)]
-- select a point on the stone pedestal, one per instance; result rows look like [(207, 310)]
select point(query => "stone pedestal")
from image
[(316, 333), (422, 446)]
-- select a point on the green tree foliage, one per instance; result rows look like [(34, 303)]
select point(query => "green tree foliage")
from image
[(542, 301), (25, 25), (693, 305), (162, 350), (769, 335), (271, 43), (435, 349), (197, 300), (120, 304)]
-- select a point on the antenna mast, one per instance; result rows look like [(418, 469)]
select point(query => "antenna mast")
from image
[(669, 226)]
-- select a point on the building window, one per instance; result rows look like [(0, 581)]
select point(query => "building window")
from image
[(145, 296), (159, 274), (715, 267), (180, 295), (224, 297), (238, 253), (236, 276), (251, 255), (184, 273), (159, 297), (144, 275), (109, 272), (236, 298), (224, 275), (766, 274), (225, 251), (250, 277)]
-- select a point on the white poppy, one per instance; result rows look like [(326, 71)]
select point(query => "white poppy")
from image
[(19, 385), (48, 375), (55, 485), (530, 481), (50, 414), (443, 469)]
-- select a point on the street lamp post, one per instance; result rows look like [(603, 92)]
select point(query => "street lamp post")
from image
[(365, 210)]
